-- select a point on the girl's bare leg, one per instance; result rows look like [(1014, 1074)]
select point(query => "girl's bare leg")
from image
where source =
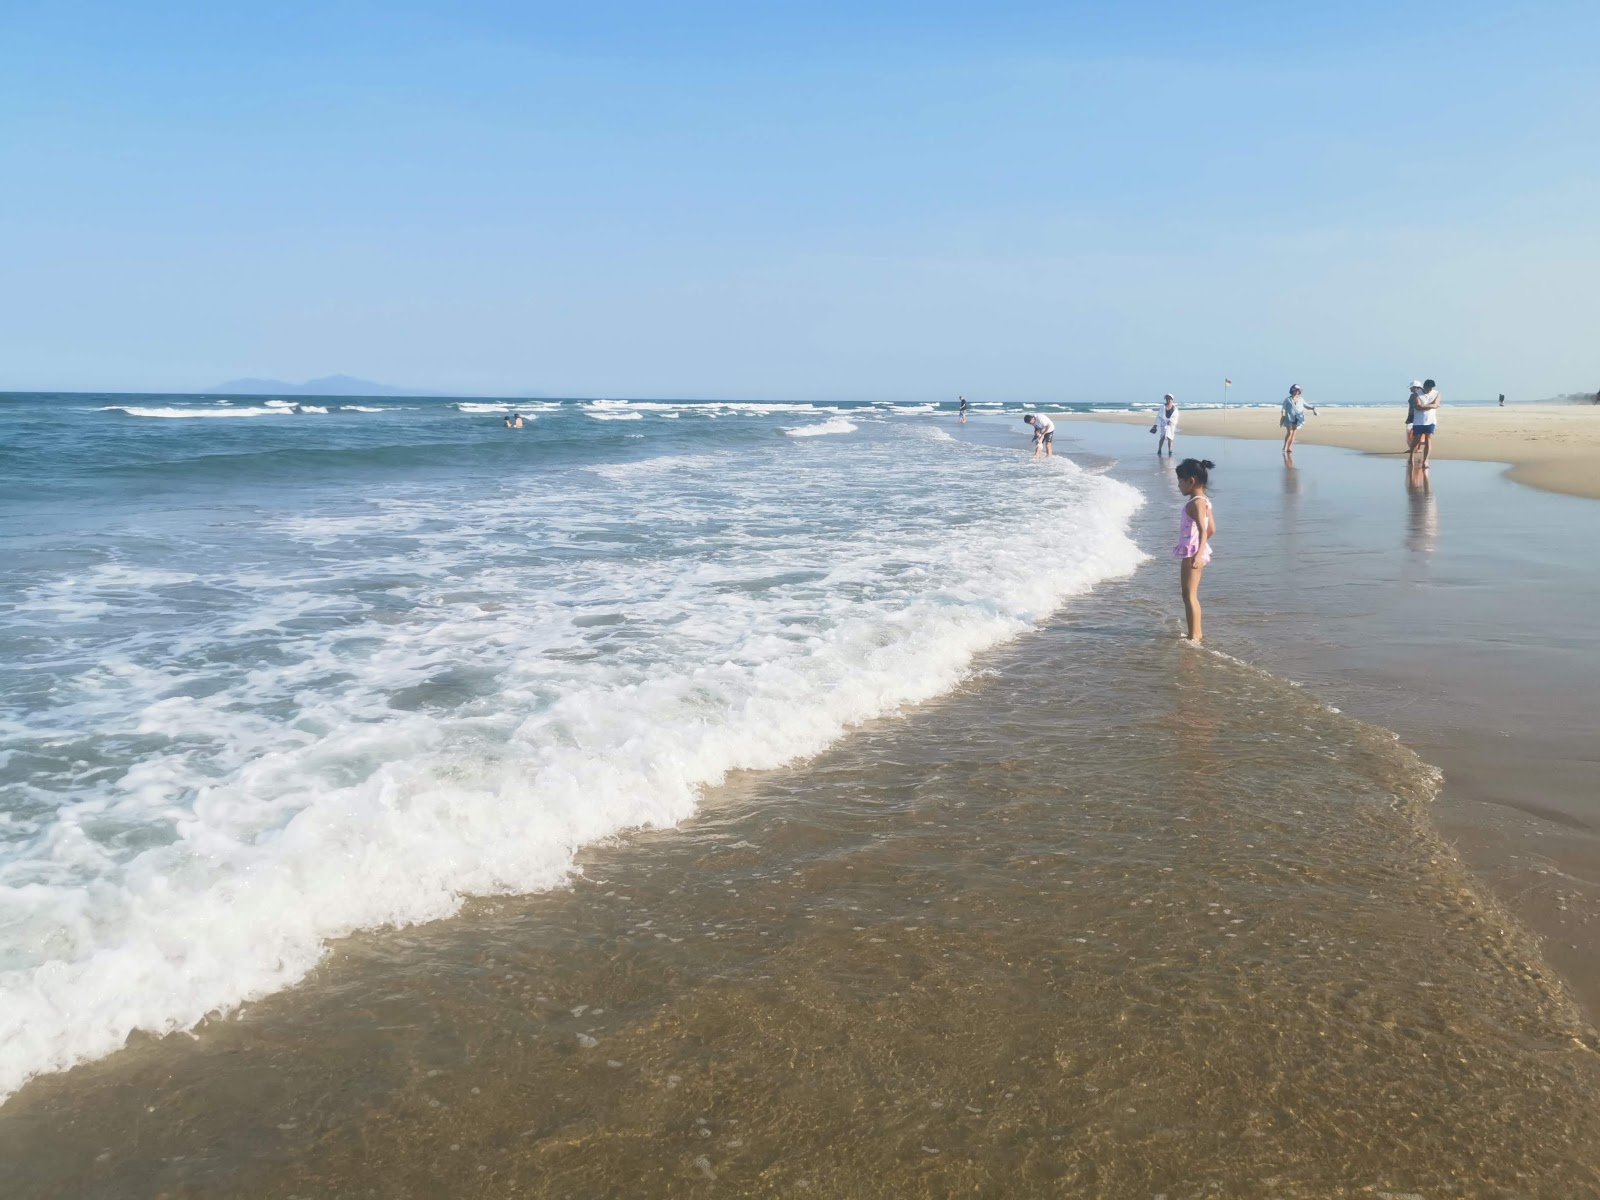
[(1189, 581)]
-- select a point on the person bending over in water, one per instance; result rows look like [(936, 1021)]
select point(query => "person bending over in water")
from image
[(1196, 527), (1044, 434)]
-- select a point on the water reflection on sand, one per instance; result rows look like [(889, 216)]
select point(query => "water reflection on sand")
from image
[(1422, 529)]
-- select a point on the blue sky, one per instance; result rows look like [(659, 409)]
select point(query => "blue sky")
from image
[(1024, 201)]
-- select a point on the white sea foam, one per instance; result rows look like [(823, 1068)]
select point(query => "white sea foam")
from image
[(834, 425), (664, 462), (616, 416), (358, 408), (311, 408), (198, 412), (432, 705)]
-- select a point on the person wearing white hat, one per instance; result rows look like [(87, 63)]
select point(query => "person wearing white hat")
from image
[(1166, 426), (1411, 414), (1294, 416)]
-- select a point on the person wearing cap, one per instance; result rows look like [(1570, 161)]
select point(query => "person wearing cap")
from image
[(1411, 414), (1166, 426), (1294, 416)]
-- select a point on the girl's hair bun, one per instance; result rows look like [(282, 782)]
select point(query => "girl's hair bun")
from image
[(1208, 464)]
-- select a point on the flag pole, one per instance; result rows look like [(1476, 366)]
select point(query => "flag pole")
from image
[(1226, 384)]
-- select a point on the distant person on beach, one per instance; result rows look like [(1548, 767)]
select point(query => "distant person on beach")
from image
[(1294, 416), (1411, 414), (1044, 434), (1197, 525), (963, 409), (1425, 420), (1166, 426), (1502, 399)]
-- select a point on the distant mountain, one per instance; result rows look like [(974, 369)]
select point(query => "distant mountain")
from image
[(328, 385)]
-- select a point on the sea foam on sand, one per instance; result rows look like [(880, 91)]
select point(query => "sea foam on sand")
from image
[(338, 784)]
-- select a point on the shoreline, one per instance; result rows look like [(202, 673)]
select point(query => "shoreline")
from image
[(1088, 921), (1551, 447), (911, 964), (1493, 690)]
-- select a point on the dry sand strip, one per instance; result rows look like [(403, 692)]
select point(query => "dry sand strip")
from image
[(1549, 446)]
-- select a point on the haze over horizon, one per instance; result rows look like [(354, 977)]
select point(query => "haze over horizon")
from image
[(1041, 202)]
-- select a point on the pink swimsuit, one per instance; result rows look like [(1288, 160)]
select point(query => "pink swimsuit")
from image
[(1189, 537)]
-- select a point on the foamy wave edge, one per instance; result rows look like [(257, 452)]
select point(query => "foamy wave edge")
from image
[(413, 840), (178, 413), (835, 425)]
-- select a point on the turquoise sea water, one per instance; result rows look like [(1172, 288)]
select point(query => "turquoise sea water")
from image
[(274, 671)]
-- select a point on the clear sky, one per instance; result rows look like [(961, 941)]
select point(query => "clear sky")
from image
[(1051, 201)]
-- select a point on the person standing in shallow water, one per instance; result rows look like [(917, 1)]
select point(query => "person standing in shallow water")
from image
[(1425, 421), (963, 409), (1294, 416), (1166, 426), (1197, 525), (1411, 414)]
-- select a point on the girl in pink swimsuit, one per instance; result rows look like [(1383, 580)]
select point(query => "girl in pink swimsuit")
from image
[(1196, 527)]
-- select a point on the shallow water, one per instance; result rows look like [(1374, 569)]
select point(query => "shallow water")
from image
[(1117, 917), (272, 678), (1454, 607)]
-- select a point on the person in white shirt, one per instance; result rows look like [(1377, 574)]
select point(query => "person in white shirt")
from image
[(1044, 433), (1424, 420), (1166, 426)]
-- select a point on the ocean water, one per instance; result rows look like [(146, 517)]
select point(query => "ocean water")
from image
[(806, 800), (273, 673)]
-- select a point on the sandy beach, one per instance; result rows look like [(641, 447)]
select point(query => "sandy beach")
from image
[(1549, 446)]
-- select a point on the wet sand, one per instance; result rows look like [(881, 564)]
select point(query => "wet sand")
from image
[(1454, 608), (1134, 943), (1119, 917), (1548, 446)]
